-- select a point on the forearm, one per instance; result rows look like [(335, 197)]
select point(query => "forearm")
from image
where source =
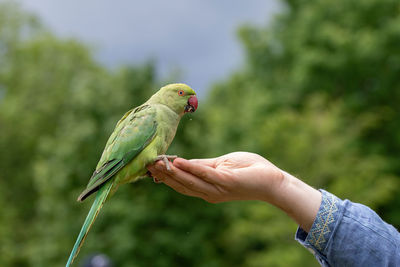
[(297, 199)]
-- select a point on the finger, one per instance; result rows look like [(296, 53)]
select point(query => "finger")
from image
[(192, 182), (207, 173), (157, 172), (158, 165), (178, 187), (159, 177), (165, 177), (208, 162), (151, 168), (187, 180)]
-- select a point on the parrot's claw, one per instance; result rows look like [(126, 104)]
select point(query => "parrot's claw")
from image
[(166, 159)]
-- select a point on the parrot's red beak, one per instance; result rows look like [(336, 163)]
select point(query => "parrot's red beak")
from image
[(192, 104)]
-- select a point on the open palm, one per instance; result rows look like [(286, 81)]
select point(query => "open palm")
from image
[(234, 176)]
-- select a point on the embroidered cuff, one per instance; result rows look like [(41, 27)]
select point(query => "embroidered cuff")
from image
[(323, 227)]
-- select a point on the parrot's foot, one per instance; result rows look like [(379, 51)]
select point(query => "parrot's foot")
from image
[(166, 159)]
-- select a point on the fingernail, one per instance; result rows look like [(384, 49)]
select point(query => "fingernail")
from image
[(156, 180)]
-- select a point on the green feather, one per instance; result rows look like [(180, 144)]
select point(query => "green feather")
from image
[(94, 211), (130, 138), (99, 178)]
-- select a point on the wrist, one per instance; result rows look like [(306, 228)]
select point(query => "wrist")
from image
[(297, 199), (281, 190), (273, 191)]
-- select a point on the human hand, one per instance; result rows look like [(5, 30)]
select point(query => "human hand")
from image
[(235, 176)]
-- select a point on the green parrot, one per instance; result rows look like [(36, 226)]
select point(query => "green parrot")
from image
[(141, 137)]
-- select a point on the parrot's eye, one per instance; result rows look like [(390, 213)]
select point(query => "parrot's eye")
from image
[(181, 92)]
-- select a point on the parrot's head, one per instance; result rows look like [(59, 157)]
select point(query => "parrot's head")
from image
[(179, 97)]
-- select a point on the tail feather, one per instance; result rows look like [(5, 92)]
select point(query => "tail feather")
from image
[(94, 211)]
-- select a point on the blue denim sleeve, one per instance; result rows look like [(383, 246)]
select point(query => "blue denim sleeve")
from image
[(350, 234)]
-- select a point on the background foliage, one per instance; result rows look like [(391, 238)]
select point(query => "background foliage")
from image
[(317, 95)]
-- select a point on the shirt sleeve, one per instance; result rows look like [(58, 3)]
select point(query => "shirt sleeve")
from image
[(350, 234)]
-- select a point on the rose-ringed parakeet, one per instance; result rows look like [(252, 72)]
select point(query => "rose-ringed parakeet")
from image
[(140, 138)]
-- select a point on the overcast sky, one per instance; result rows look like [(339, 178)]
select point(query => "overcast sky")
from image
[(197, 37)]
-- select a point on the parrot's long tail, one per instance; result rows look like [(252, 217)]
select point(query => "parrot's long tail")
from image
[(101, 196)]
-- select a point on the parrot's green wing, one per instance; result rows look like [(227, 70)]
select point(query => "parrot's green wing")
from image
[(132, 134)]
